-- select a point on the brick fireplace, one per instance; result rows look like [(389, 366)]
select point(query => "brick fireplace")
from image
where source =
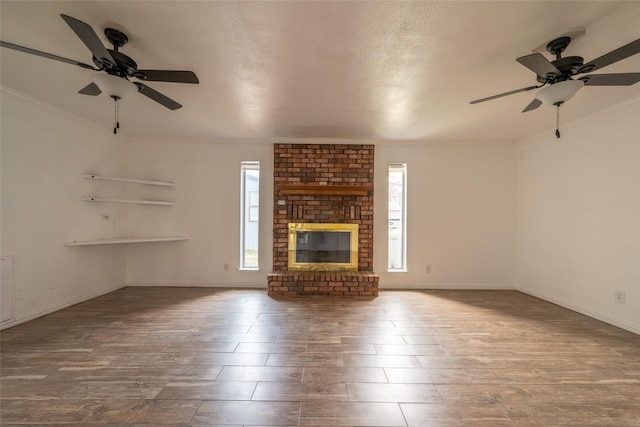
[(323, 183)]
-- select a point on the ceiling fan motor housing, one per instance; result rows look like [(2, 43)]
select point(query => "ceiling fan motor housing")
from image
[(125, 65), (568, 66)]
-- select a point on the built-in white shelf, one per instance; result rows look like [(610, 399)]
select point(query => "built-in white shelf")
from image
[(129, 180), (125, 240), (130, 201)]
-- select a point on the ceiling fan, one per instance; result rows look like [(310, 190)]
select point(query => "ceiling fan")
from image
[(557, 75), (118, 68)]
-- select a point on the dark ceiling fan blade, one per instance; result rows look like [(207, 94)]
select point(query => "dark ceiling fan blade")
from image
[(540, 65), (46, 55), (90, 39), (157, 96), (90, 89), (621, 79), (532, 105), (524, 89), (167, 76), (611, 57)]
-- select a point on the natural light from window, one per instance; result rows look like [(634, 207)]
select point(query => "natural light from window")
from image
[(249, 214), (397, 215)]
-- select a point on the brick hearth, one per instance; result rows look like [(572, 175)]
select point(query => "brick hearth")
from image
[(293, 283), (323, 183)]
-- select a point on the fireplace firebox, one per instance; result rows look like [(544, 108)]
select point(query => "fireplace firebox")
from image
[(318, 246)]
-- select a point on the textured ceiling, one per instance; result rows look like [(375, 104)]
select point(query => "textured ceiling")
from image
[(373, 70)]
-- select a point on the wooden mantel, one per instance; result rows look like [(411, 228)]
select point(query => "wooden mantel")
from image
[(318, 188)]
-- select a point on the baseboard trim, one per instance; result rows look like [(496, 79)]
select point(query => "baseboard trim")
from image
[(458, 286), (582, 310), (56, 307), (169, 283)]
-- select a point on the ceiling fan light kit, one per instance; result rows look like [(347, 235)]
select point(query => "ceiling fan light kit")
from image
[(560, 92), (557, 94), (114, 86), (118, 68), (117, 88), (557, 74)]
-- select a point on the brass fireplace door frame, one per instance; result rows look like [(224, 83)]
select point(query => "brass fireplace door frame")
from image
[(294, 227)]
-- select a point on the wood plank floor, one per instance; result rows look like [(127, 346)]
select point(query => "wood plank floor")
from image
[(175, 357)]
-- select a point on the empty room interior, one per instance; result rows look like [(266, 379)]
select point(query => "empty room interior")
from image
[(320, 213)]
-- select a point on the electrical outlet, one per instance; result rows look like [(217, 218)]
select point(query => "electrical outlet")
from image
[(19, 292), (226, 267), (105, 216), (427, 269), (53, 283), (619, 297)]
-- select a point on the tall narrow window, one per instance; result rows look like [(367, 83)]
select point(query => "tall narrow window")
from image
[(249, 214), (397, 217)]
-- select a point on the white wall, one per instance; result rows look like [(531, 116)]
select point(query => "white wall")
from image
[(460, 215), (44, 151), (207, 209), (579, 215)]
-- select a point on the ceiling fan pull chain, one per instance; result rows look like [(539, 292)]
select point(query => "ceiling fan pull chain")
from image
[(116, 114), (558, 121)]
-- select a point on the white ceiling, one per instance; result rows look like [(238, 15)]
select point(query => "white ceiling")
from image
[(369, 70)]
